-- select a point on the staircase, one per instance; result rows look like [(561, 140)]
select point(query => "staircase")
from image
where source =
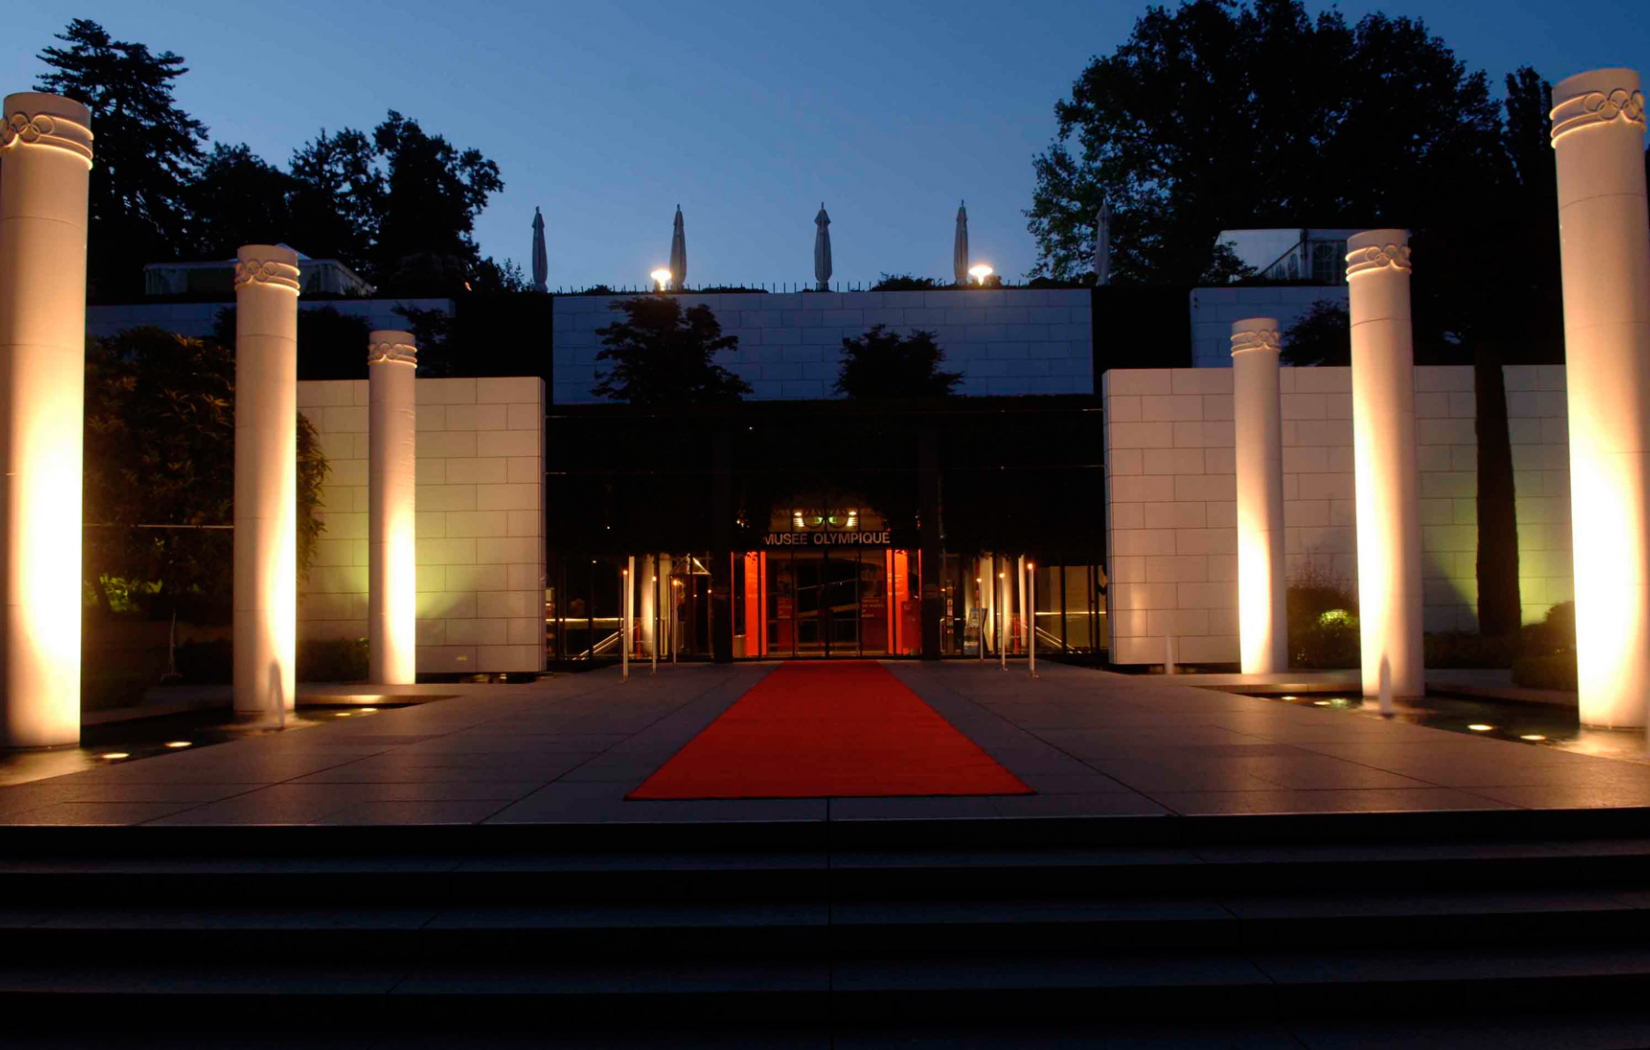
[(1450, 929)]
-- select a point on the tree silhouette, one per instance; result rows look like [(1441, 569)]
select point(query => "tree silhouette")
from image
[(1219, 116), (663, 356), (147, 150), (881, 364)]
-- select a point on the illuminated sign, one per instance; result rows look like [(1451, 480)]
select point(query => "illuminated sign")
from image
[(826, 539)]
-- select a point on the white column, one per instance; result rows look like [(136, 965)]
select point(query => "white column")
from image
[(629, 607), (266, 479), (392, 480), (1598, 134), (650, 582), (1383, 456), (45, 164), (1263, 628)]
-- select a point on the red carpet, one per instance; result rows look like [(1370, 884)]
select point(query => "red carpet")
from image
[(810, 730)]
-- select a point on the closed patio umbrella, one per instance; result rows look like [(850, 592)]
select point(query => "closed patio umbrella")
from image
[(822, 249), (678, 253), (959, 247), (541, 259)]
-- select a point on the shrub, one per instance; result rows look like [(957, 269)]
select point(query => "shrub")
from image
[(1549, 660), (904, 282), (1323, 621), (1551, 671)]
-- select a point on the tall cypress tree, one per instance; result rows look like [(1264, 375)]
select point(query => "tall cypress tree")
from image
[(147, 150)]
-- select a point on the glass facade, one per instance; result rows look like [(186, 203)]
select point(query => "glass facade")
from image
[(815, 601)]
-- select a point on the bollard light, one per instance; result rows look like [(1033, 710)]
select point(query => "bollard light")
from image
[(661, 277), (980, 272)]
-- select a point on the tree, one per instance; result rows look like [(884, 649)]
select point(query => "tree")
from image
[(147, 150), (1321, 336), (662, 356), (881, 364), (237, 198), (1226, 115), (337, 198), (160, 472), (434, 193)]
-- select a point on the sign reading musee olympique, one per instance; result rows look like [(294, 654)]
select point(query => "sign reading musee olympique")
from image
[(826, 539)]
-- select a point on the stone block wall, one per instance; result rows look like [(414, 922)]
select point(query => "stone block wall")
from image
[(480, 521), (1171, 499), (1538, 422), (1003, 341)]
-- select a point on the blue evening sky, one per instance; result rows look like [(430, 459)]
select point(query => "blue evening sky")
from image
[(749, 114)]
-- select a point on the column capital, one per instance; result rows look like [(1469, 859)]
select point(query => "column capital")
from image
[(1598, 97), (1256, 333), (267, 264), (392, 347), (1378, 250), (36, 119)]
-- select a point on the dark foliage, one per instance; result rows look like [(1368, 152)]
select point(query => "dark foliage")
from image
[(1322, 614), (160, 451), (1259, 88), (1321, 336), (904, 282), (148, 150), (662, 356), (881, 364), (331, 344)]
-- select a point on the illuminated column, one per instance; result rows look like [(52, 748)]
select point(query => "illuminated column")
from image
[(392, 469), (1383, 456), (266, 479), (650, 585), (1598, 134), (1263, 631), (45, 162)]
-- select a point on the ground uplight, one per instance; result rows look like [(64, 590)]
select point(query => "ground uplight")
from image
[(114, 755), (1479, 727), (1532, 737), (176, 744)]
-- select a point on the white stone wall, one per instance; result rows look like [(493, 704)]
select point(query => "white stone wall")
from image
[(1005, 341), (480, 521), (197, 319), (1214, 309), (1171, 480)]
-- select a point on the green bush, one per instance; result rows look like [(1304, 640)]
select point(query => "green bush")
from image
[(1323, 622), (1552, 671)]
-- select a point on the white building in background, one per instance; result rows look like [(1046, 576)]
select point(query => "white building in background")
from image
[(315, 277)]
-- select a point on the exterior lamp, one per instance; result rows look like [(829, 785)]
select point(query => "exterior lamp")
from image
[(980, 273), (662, 277)]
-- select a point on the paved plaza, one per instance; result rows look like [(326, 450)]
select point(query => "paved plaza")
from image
[(568, 748)]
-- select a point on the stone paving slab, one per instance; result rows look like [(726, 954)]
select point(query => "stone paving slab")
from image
[(1091, 743)]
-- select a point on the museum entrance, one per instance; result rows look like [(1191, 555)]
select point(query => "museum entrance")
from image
[(827, 602)]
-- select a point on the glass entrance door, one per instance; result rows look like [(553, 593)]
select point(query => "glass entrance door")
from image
[(841, 604)]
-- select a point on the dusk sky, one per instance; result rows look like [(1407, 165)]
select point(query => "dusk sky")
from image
[(747, 114)]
